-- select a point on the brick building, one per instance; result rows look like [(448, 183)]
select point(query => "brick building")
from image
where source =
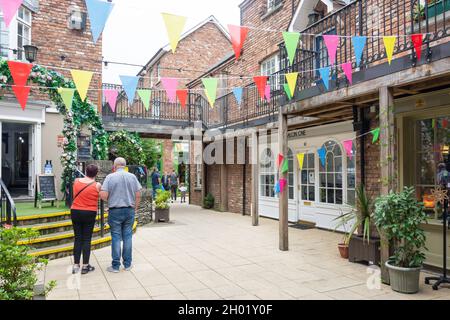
[(30, 137)]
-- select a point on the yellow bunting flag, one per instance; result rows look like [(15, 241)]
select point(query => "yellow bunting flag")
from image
[(301, 160), (291, 79), (389, 44), (82, 80), (174, 25), (67, 96)]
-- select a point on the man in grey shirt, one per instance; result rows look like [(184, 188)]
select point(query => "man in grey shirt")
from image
[(122, 190)]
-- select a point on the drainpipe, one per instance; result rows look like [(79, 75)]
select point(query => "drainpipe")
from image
[(244, 178)]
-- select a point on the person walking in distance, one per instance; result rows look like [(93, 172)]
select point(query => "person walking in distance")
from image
[(173, 185), (155, 181), (122, 190), (165, 181)]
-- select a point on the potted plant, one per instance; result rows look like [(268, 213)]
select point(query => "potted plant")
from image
[(40, 197), (419, 13), (208, 202), (162, 207), (343, 246), (17, 268), (400, 216)]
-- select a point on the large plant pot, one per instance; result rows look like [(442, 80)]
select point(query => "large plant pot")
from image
[(162, 215), (359, 250), (343, 250), (404, 280)]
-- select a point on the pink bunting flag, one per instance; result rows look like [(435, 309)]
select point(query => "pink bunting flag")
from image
[(170, 85), (331, 42), (267, 92), (111, 97), (347, 68), (348, 146), (283, 184), (9, 9)]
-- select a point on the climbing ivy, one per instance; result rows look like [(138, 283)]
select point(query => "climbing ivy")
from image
[(127, 145), (82, 113)]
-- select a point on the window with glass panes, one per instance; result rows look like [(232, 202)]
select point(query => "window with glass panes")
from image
[(4, 39), (23, 31), (290, 159), (331, 182), (267, 174), (308, 178), (351, 177), (269, 67)]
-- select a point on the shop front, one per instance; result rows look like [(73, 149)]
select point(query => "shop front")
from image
[(424, 161), (323, 188)]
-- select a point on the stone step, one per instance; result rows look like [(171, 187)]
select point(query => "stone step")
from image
[(43, 218)]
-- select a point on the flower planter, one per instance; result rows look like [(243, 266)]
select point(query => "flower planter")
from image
[(404, 280), (39, 292), (359, 250), (343, 250), (162, 215)]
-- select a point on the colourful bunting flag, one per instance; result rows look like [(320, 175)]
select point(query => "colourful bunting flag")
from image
[(417, 40), (287, 90), (277, 187), (283, 184), (99, 12), (260, 82), (129, 84), (182, 97), (359, 42), (210, 85), (325, 76), (331, 42), (67, 96), (376, 134), (322, 156), (389, 44), (170, 85), (175, 26), (111, 98), (280, 160), (291, 40), (145, 96), (9, 9), (348, 146), (238, 95), (291, 79), (301, 160), (444, 123), (285, 167), (20, 72), (267, 92), (22, 94), (238, 35), (347, 68), (82, 80)]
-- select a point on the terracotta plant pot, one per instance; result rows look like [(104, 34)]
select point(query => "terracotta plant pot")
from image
[(343, 250)]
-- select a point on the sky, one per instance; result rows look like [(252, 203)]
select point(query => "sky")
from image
[(135, 29)]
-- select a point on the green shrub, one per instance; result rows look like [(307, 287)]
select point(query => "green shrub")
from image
[(208, 202), (162, 199), (400, 216), (17, 268)]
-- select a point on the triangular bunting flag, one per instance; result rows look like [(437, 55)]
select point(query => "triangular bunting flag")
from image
[(267, 92), (175, 26), (283, 184), (210, 85), (331, 42), (389, 44), (280, 160), (301, 160), (291, 79), (111, 98), (376, 134), (129, 84), (182, 97), (322, 156), (238, 95), (20, 72), (285, 167), (238, 35), (99, 12), (277, 188), (417, 40), (22, 94), (325, 76), (170, 85), (82, 80), (288, 91), (9, 9), (145, 96), (348, 146), (67, 96), (359, 42), (260, 82), (291, 40), (347, 68)]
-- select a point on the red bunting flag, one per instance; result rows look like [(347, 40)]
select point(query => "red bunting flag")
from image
[(280, 160), (182, 97), (20, 72), (22, 94), (238, 35), (417, 40), (261, 82)]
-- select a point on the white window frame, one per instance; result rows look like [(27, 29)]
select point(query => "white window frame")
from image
[(291, 175), (26, 25), (199, 173), (267, 169), (270, 66), (309, 167), (13, 32), (343, 173)]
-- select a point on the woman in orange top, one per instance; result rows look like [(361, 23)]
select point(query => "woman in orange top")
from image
[(84, 212)]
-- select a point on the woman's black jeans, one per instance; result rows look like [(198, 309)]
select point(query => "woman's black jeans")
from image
[(83, 226)]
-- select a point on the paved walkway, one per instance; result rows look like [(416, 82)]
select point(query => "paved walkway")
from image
[(210, 255)]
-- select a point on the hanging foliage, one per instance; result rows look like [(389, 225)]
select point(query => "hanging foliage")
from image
[(127, 145)]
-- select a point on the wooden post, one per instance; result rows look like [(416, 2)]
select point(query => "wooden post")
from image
[(283, 196), (255, 178), (387, 162)]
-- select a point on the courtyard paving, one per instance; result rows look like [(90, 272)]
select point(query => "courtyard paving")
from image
[(204, 255)]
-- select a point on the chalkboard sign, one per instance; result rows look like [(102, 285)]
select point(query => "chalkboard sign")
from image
[(46, 186), (84, 147)]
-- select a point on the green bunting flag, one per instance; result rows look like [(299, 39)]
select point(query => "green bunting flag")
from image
[(288, 91), (145, 96), (285, 167), (376, 135), (210, 89), (67, 96), (291, 40)]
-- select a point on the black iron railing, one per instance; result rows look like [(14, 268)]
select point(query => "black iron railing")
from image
[(8, 214)]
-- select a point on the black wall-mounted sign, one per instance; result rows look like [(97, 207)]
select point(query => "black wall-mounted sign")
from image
[(84, 148)]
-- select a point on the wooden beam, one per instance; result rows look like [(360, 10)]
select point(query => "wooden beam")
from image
[(283, 196), (255, 178)]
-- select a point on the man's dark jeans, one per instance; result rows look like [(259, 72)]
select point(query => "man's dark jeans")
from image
[(121, 222)]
